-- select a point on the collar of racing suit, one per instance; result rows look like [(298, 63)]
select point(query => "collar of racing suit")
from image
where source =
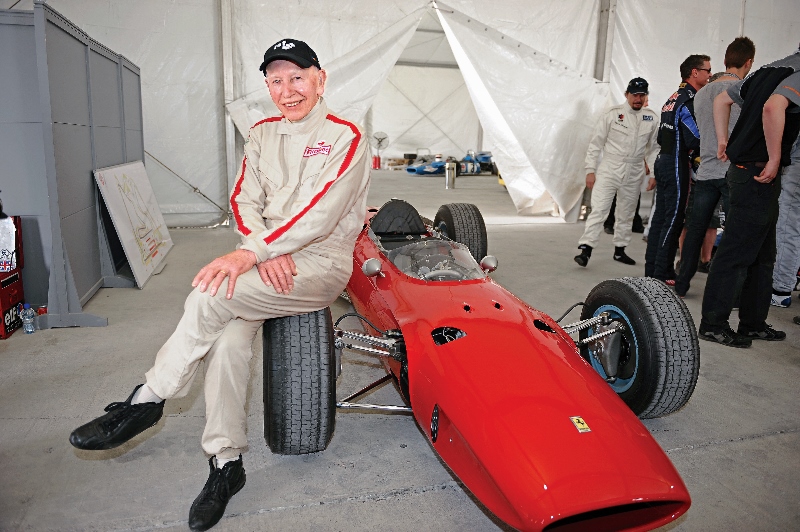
[(307, 124), (630, 109)]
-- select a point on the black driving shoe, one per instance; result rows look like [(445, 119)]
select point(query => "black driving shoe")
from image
[(620, 256), (768, 334), (222, 484), (123, 422), (586, 253), (725, 337)]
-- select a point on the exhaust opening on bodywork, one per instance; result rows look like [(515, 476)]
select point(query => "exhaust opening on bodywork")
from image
[(628, 516), (443, 335)]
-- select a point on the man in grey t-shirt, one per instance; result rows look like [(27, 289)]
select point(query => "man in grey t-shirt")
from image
[(710, 185)]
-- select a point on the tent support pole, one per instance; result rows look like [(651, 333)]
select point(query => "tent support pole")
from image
[(605, 39), (226, 36)]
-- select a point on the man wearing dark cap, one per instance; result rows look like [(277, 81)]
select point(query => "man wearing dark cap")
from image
[(679, 139), (626, 135), (298, 204)]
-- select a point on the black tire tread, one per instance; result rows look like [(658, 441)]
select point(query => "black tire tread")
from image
[(670, 330), (464, 225), (299, 383)]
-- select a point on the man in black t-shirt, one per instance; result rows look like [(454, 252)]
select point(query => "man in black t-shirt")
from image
[(758, 148)]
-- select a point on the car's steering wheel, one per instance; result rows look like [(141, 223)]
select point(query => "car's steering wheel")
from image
[(442, 275)]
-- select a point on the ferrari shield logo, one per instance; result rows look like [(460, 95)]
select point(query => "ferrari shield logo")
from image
[(580, 424)]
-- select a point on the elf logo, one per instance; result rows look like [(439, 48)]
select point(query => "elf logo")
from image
[(12, 317)]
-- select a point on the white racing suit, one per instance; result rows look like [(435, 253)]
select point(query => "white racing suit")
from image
[(626, 137), (302, 191)]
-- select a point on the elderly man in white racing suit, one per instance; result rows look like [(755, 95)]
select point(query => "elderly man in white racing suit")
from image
[(299, 204), (626, 135)]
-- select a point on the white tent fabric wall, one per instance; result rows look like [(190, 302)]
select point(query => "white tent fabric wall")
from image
[(539, 112), (651, 39), (424, 107), (354, 78), (175, 44), (556, 132), (363, 24), (565, 30)]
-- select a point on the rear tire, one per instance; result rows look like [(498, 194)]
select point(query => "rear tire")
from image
[(661, 357), (463, 223), (299, 382)]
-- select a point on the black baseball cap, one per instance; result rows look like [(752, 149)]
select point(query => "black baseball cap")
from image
[(638, 86), (292, 50)]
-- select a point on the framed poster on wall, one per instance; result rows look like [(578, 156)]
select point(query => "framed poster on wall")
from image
[(137, 219)]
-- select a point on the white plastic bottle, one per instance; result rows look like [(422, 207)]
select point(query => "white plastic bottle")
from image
[(28, 315)]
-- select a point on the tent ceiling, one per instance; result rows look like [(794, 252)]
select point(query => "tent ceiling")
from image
[(428, 46)]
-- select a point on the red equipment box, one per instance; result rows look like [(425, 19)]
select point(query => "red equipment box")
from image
[(11, 294)]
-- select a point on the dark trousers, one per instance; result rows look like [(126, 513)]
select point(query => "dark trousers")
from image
[(637, 220), (705, 197), (672, 185), (746, 254)]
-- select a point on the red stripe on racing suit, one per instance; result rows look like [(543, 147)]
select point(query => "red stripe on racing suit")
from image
[(237, 189), (342, 169)]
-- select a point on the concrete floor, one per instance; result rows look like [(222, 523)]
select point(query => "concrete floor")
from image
[(736, 443)]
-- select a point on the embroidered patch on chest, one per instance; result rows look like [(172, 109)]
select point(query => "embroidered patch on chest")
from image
[(320, 149), (647, 118)]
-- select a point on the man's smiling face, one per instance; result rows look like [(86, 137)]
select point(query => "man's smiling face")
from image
[(295, 90)]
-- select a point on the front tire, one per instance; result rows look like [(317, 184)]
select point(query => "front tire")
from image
[(463, 223), (660, 360), (299, 382)]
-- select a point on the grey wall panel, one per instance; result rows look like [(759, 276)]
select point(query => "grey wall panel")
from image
[(56, 126), (18, 85), (133, 145), (132, 96), (79, 232), (106, 109), (37, 241), (73, 154), (108, 146), (66, 64), (23, 180), (22, 173)]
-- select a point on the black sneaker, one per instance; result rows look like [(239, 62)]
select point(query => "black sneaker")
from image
[(796, 319), (704, 267), (608, 230), (725, 337), (123, 422), (620, 256), (586, 253), (768, 334), (222, 484)]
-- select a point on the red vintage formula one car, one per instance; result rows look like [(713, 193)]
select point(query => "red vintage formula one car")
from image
[(541, 427)]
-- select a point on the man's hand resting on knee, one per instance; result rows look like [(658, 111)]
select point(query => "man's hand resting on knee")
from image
[(233, 264), (278, 273)]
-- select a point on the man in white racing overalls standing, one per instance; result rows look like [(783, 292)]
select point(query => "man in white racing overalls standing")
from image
[(299, 204), (626, 135)]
